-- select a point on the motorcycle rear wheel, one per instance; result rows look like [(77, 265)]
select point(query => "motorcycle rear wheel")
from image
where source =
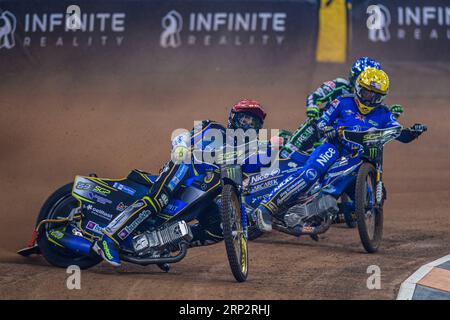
[(233, 233), (60, 204)]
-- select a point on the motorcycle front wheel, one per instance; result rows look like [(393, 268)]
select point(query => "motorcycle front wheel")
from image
[(369, 216), (233, 232)]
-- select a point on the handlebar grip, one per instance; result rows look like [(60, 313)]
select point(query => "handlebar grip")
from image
[(424, 127)]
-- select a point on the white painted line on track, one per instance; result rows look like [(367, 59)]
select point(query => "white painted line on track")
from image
[(408, 286)]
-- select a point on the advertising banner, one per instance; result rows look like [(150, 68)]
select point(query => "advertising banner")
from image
[(152, 35), (401, 30)]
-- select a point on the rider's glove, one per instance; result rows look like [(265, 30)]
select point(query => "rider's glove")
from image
[(180, 154), (181, 148), (417, 129), (397, 110), (313, 112), (329, 132)]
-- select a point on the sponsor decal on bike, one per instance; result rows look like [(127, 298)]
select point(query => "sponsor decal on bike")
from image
[(372, 137), (283, 184), (271, 206), (311, 174), (137, 204), (99, 212), (260, 199), (302, 137), (121, 207), (101, 190), (171, 208), (91, 225), (326, 156), (284, 153), (175, 181), (130, 228), (123, 234), (84, 185), (208, 177), (163, 170), (124, 188), (98, 198), (263, 186), (163, 200), (261, 177), (117, 223), (56, 234), (292, 164), (290, 190), (341, 171)]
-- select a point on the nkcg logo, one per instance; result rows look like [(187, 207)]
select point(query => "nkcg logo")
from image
[(222, 28), (412, 22)]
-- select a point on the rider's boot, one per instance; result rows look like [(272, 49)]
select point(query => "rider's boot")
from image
[(108, 250), (207, 231), (121, 227), (263, 219), (132, 217)]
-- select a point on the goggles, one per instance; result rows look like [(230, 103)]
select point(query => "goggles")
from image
[(245, 121), (368, 97)]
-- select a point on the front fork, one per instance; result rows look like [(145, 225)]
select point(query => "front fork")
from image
[(244, 215), (379, 197)]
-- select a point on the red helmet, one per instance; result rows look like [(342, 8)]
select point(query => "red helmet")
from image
[(247, 114)]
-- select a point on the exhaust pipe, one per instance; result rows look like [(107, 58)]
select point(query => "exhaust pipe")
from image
[(299, 230), (147, 261)]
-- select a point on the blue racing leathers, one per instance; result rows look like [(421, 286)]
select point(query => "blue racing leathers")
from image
[(341, 112)]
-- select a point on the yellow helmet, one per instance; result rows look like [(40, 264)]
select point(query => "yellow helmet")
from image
[(371, 88)]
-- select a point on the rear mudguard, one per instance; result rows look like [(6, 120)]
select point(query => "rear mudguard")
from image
[(25, 252)]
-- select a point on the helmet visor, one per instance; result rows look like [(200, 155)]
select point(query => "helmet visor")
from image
[(245, 120), (368, 97)]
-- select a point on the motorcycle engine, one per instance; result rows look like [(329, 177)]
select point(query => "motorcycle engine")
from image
[(311, 213), (159, 240)]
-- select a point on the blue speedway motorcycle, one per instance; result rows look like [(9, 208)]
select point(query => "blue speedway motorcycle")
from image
[(328, 201), (72, 218)]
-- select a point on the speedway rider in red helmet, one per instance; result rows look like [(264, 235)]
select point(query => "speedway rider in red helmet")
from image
[(246, 114)]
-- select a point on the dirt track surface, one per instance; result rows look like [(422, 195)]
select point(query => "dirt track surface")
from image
[(56, 126)]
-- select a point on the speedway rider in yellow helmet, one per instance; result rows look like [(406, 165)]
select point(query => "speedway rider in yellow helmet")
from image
[(371, 88), (361, 112)]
